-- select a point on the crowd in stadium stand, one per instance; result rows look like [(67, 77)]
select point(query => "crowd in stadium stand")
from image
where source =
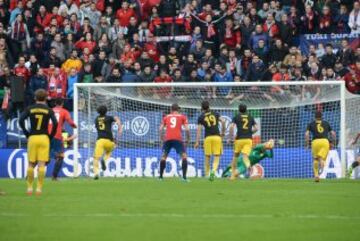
[(53, 44)]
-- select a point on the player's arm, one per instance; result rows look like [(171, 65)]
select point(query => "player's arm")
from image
[(231, 132), (198, 133), (254, 127), (54, 124), (187, 133), (22, 119), (118, 123), (356, 139), (69, 120), (307, 138), (161, 131), (223, 127)]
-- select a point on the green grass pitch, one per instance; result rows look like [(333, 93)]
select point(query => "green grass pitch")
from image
[(142, 209)]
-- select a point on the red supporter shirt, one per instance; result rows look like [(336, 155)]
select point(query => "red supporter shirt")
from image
[(173, 123), (62, 116)]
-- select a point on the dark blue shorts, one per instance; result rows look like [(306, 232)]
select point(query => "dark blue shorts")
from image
[(56, 148), (177, 145)]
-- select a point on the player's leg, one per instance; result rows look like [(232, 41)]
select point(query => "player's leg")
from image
[(352, 167), (108, 147), (184, 165), (58, 149), (315, 148), (166, 150), (237, 149), (217, 152), (180, 149), (41, 177), (59, 159), (324, 147), (98, 153), (246, 150), (31, 149), (43, 158), (208, 153)]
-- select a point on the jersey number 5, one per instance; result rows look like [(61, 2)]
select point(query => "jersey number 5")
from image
[(210, 120), (39, 120), (319, 128), (101, 125)]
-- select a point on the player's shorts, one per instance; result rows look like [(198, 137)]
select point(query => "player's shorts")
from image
[(320, 148), (56, 148), (213, 146), (103, 146), (38, 148), (176, 144), (243, 146)]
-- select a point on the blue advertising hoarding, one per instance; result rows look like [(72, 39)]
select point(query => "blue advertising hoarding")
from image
[(129, 162)]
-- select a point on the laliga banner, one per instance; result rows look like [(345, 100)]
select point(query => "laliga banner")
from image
[(144, 162), (335, 39)]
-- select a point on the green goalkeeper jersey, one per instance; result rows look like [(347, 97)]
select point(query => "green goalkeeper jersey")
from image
[(257, 154)]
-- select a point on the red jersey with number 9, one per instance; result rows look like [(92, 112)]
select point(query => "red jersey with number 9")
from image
[(173, 124)]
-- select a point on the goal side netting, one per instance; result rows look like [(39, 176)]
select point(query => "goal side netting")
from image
[(282, 111)]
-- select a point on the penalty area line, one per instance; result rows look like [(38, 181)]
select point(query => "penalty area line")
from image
[(185, 216)]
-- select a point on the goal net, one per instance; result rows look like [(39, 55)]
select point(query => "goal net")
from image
[(282, 111)]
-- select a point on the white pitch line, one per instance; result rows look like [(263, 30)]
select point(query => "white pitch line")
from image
[(190, 216)]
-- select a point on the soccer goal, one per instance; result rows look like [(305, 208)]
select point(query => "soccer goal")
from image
[(282, 110)]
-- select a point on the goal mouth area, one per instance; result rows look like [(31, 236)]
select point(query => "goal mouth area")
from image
[(282, 110), (256, 95)]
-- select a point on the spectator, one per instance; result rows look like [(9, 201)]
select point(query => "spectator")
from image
[(103, 28), (87, 76), (69, 7), (270, 27), (285, 31), (329, 59), (354, 18), (345, 54), (88, 9), (86, 42), (326, 23), (125, 13), (222, 75), (163, 92), (309, 23), (72, 79), (115, 76), (255, 70), (256, 36), (278, 52), (72, 63), (16, 12), (37, 81), (342, 20), (20, 35)]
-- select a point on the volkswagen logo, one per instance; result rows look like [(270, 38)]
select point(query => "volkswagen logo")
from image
[(140, 126)]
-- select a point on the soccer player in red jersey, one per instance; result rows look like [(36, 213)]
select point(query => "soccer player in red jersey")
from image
[(173, 123), (57, 143)]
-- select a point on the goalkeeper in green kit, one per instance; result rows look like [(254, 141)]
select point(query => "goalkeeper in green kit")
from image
[(258, 153)]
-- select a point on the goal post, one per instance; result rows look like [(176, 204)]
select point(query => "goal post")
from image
[(282, 110)]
